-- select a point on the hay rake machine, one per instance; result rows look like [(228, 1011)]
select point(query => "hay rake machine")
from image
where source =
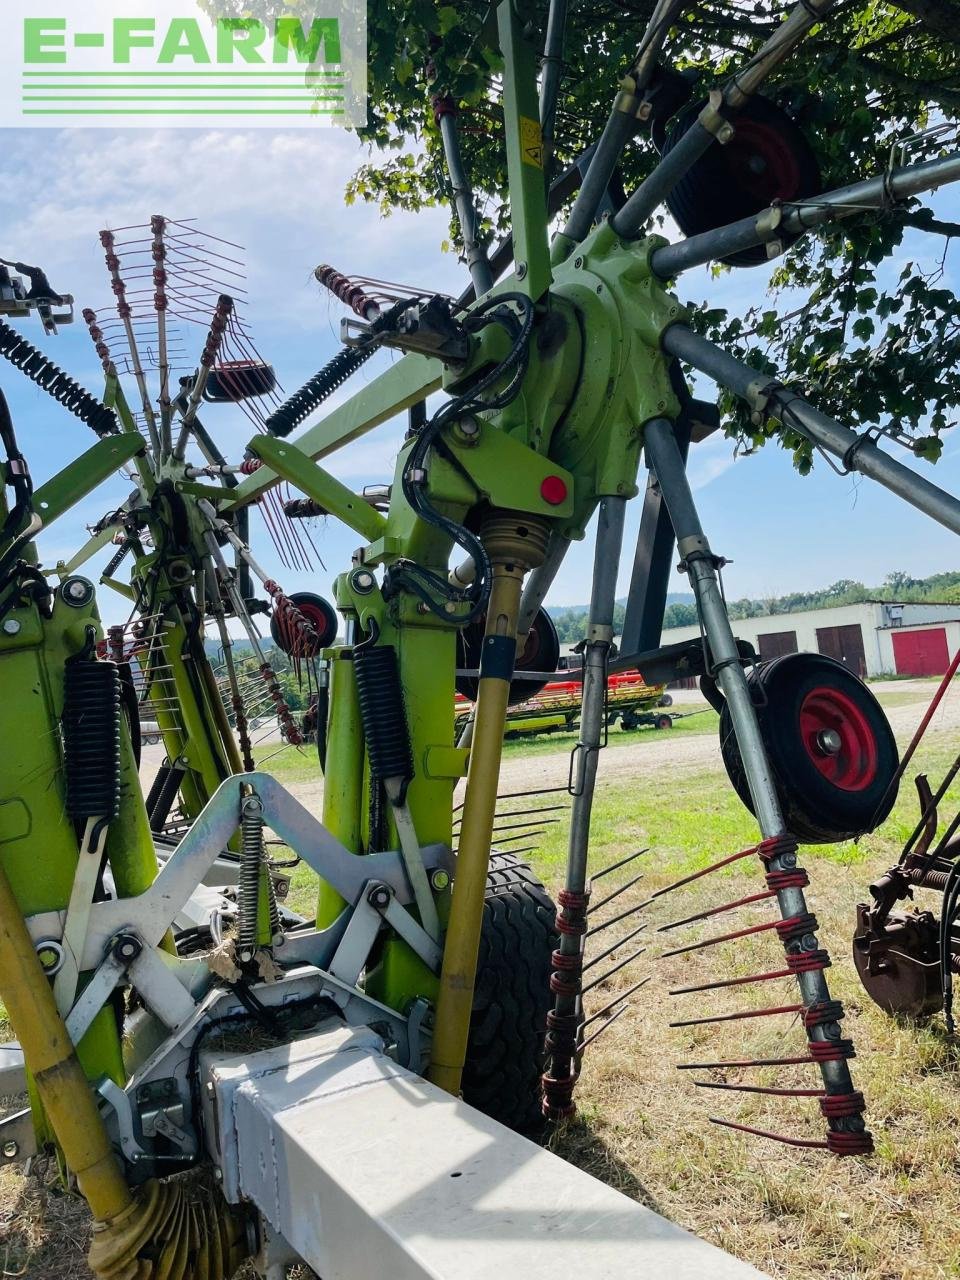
[(222, 1080)]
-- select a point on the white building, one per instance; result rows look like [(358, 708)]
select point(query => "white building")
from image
[(873, 638)]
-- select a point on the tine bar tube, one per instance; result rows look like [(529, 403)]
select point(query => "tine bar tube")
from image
[(563, 1021), (712, 122), (445, 113), (771, 225), (857, 452), (663, 454), (552, 72), (619, 129)]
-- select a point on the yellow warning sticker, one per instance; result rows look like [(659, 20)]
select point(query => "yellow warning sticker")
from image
[(531, 142)]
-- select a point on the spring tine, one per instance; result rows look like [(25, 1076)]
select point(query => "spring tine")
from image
[(600, 1030), (525, 835), (774, 1137), (630, 911), (621, 942), (715, 911), (523, 813), (615, 894), (720, 937), (733, 982), (746, 1062), (610, 972), (724, 862), (615, 1001), (527, 848), (743, 1013), (615, 866), (758, 1088), (519, 826)]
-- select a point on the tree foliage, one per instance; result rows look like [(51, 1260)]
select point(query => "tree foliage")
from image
[(877, 349), (873, 351)]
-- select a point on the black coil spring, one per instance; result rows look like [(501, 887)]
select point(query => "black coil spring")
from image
[(52, 379), (313, 393), (382, 711), (91, 738)]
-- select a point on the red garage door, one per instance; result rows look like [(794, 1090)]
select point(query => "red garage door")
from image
[(921, 653)]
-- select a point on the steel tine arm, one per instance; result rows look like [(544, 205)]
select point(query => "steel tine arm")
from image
[(619, 129), (713, 123), (779, 225), (445, 114), (770, 398), (552, 73)]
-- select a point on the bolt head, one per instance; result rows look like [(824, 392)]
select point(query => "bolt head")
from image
[(11, 627), (440, 880), (10, 1150), (578, 263), (379, 896)]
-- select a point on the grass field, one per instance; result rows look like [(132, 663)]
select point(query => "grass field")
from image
[(643, 1126)]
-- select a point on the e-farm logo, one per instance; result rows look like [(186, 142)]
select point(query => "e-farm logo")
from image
[(269, 65)]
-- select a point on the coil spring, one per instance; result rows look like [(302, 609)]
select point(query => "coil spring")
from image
[(382, 711), (251, 861), (91, 738), (313, 393), (58, 384), (253, 867)]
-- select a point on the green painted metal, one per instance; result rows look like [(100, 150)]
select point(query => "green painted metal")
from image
[(519, 43), (407, 382), (70, 486), (292, 464), (38, 845)]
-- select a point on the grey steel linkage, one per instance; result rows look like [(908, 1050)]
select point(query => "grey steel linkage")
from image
[(664, 457), (713, 123), (768, 397), (619, 129), (777, 224), (445, 113), (552, 71), (563, 1035)]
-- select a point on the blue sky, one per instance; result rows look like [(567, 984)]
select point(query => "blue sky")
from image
[(281, 195)]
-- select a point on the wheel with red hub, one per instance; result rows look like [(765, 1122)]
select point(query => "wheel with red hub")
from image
[(541, 653), (767, 159), (319, 613), (831, 748)]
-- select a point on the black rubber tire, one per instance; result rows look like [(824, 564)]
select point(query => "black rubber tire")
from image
[(666, 700), (815, 810), (317, 611), (501, 1075), (540, 653), (719, 188)]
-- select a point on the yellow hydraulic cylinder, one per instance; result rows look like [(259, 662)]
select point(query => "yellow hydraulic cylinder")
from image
[(60, 1082), (512, 550)]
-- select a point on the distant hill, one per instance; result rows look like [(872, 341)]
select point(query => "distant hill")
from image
[(940, 588), (673, 597)]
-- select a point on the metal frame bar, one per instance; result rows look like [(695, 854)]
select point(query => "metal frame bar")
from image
[(770, 398), (780, 224), (663, 454), (713, 122)]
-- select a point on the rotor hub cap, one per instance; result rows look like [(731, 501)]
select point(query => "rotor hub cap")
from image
[(838, 738)]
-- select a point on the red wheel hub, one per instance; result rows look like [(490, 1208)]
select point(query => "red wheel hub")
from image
[(838, 738), (763, 162)]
